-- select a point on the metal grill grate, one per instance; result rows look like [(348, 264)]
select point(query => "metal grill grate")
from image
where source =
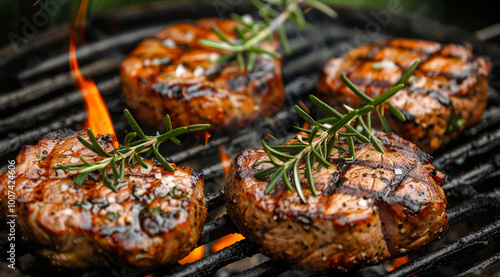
[(40, 98)]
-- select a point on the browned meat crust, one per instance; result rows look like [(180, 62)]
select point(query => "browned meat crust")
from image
[(173, 74), (447, 93), (377, 207), (155, 218)]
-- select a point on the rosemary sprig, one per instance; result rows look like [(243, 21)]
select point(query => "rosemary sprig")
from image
[(320, 140), (126, 154), (253, 34)]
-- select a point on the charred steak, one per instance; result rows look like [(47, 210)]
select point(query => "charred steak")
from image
[(173, 74), (155, 218), (376, 207), (447, 92)]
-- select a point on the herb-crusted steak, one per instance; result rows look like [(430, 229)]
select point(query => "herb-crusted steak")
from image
[(173, 74), (154, 218), (376, 207), (447, 92)]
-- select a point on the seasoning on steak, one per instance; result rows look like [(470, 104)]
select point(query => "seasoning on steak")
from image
[(376, 207), (447, 92), (155, 218), (173, 74)]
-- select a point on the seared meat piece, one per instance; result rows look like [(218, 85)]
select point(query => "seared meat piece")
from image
[(447, 92), (173, 74), (376, 207), (155, 218)]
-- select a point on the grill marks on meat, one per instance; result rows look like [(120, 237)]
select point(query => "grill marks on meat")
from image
[(377, 207), (447, 92), (155, 218), (173, 74)]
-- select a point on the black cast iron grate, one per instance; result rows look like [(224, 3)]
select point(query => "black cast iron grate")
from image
[(40, 98)]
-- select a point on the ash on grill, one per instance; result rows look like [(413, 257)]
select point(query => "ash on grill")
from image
[(39, 98)]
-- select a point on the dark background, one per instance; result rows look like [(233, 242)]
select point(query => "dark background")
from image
[(470, 15)]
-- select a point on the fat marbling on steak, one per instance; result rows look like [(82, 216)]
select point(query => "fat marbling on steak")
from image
[(447, 92), (377, 207), (171, 73), (154, 218)]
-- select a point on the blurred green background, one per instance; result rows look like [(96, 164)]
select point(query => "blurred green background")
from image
[(470, 15)]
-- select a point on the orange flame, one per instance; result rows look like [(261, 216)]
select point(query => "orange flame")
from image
[(195, 255), (98, 118), (225, 159), (226, 241), (231, 238), (398, 262), (203, 134)]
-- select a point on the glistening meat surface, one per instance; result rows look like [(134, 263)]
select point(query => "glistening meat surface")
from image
[(447, 92), (376, 207), (173, 74), (154, 218)]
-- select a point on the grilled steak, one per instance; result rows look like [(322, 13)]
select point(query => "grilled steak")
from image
[(376, 207), (155, 218), (173, 74), (447, 92)]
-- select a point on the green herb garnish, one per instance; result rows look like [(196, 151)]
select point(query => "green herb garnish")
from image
[(127, 154), (320, 140), (253, 34)]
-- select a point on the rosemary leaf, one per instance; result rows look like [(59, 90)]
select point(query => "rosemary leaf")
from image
[(114, 168), (251, 61), (302, 129), (284, 41), (128, 139), (265, 172), (276, 153), (404, 78), (296, 181), (322, 7), (325, 107), (289, 147), (168, 123), (140, 161), (352, 150), (320, 158), (313, 133), (121, 175), (80, 178), (274, 179), (215, 44), (107, 182), (305, 115), (225, 58), (87, 144), (388, 94), (270, 53), (162, 160), (286, 180), (221, 35), (241, 62), (309, 174), (131, 121), (176, 141), (385, 124)]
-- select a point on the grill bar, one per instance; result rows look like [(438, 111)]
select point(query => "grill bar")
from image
[(216, 229), (94, 50), (268, 268), (32, 116), (210, 264), (480, 265), (480, 145), (17, 141), (451, 252), (44, 87)]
